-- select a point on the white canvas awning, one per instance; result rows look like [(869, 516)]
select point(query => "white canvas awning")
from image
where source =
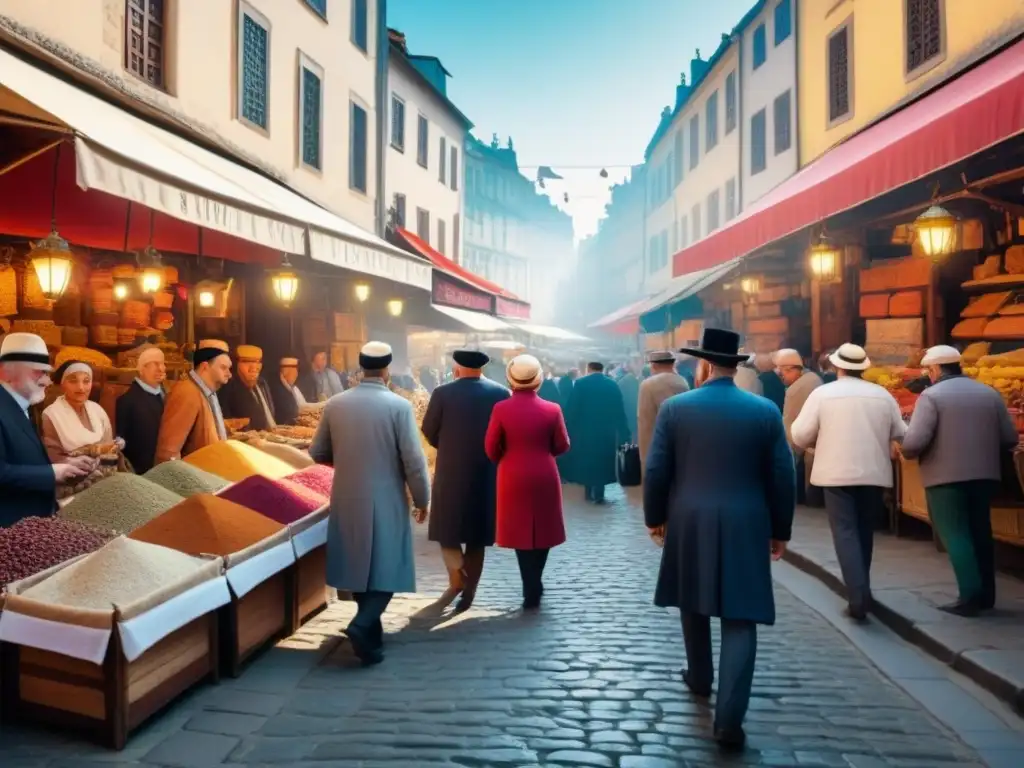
[(549, 332), (476, 321), (125, 156)]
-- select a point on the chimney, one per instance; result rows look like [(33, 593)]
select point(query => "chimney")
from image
[(682, 91), (397, 39), (698, 67)]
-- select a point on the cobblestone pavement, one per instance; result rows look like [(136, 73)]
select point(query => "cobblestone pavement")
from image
[(591, 680)]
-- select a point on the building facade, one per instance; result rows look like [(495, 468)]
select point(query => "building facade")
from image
[(424, 168), (860, 60), (514, 236), (267, 81), (768, 106)]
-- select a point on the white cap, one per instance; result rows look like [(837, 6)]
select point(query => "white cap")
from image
[(943, 354)]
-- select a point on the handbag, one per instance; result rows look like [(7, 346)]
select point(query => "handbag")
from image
[(627, 466)]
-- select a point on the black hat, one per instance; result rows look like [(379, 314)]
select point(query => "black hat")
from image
[(206, 355), (718, 346), (470, 358), (375, 356)]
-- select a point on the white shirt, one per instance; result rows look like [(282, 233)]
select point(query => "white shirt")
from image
[(851, 424)]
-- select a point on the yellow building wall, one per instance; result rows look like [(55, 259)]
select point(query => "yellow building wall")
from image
[(879, 49)]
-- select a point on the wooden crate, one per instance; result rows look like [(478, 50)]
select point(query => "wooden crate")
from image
[(251, 624), (310, 586), (107, 702)]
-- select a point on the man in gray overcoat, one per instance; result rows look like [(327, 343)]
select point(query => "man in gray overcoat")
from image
[(369, 435), (465, 480), (720, 488)]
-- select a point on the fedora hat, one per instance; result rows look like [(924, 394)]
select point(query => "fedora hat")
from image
[(718, 346), (524, 372), (850, 357), (28, 348)]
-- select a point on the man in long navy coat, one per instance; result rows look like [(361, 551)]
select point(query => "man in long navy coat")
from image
[(720, 487), (597, 427), (465, 481)]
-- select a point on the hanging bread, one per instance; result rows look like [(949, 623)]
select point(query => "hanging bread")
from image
[(32, 294)]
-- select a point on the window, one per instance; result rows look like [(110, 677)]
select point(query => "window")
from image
[(423, 225), (399, 206), (319, 6), (925, 33), (453, 171), (253, 67), (678, 158), (695, 222), (360, 25), (675, 238), (760, 53), (839, 101), (684, 233), (144, 49), (442, 164), (730, 103), (783, 21), (397, 123), (422, 141), (357, 172), (455, 238), (758, 141), (713, 211), (730, 199), (711, 122), (441, 237), (780, 115), (311, 113), (694, 141), (652, 255)]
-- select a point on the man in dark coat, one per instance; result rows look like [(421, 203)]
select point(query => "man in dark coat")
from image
[(138, 411), (597, 427), (465, 480), (565, 384), (720, 490), (247, 395), (28, 482), (287, 397), (629, 385), (549, 389)]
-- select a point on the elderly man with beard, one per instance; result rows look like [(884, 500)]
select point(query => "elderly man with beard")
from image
[(28, 482), (247, 395)]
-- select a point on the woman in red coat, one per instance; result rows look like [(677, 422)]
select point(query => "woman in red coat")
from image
[(523, 438)]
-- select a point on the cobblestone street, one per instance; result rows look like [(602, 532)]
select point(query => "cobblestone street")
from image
[(591, 680)]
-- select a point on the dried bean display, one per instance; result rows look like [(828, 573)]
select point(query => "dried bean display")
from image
[(236, 461), (208, 525), (36, 543), (280, 500), (182, 478), (119, 573), (119, 504), (318, 478)]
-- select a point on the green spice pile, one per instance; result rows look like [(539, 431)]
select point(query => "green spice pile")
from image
[(119, 504), (185, 480)]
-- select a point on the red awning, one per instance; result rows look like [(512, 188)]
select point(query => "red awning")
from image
[(624, 321), (977, 110), (442, 262)]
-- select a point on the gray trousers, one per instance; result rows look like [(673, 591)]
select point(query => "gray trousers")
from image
[(852, 512), (736, 659)]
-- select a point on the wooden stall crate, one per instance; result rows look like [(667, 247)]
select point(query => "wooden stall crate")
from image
[(310, 586)]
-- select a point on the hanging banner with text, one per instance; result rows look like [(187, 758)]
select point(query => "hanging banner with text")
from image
[(451, 293)]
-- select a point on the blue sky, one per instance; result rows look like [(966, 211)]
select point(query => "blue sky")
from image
[(574, 82)]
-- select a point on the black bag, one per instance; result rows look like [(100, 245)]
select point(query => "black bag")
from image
[(627, 466)]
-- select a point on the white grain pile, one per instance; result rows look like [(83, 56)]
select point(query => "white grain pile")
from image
[(120, 572), (120, 503)]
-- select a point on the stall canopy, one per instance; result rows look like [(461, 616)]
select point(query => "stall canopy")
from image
[(549, 332), (980, 108), (124, 156), (474, 321), (680, 300), (624, 320)]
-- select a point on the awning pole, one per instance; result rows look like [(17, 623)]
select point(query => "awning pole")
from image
[(30, 156)]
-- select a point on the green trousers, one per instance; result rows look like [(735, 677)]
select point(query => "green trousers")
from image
[(962, 516)]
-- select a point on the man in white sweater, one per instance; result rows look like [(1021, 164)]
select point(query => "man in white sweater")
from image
[(851, 423)]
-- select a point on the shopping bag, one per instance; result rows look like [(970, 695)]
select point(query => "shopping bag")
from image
[(627, 466)]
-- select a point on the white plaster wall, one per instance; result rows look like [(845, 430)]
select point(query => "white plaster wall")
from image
[(202, 78), (760, 88)]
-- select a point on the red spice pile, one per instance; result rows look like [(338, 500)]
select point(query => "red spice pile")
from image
[(280, 500), (318, 478)]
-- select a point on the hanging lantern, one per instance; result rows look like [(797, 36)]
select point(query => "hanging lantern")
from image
[(153, 273), (750, 285), (120, 291), (362, 291), (207, 299), (395, 307), (51, 259), (824, 261), (935, 229), (285, 282)]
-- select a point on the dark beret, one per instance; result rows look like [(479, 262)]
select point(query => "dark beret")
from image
[(470, 358)]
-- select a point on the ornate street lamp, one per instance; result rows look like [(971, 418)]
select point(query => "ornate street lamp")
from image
[(935, 229), (52, 261), (153, 274), (362, 291), (824, 261), (285, 282)]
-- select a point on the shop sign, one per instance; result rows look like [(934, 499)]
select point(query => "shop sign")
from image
[(449, 293), (509, 308)]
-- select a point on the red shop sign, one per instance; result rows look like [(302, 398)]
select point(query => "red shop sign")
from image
[(449, 293), (508, 308)]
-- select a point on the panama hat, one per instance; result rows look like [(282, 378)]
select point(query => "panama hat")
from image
[(850, 357), (524, 372)]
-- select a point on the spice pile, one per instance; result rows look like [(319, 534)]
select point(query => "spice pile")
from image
[(119, 573), (208, 525), (183, 479), (280, 500), (290, 455), (119, 504), (318, 478), (34, 544), (236, 461)]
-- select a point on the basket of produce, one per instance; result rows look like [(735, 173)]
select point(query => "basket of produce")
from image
[(97, 360), (81, 636), (163, 300)]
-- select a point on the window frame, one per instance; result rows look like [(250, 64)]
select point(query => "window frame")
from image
[(306, 63), (763, 112), (733, 80), (788, 94), (695, 222), (245, 9), (730, 200), (141, 76), (453, 167), (316, 11), (396, 99), (679, 158), (714, 204), (909, 75), (442, 236), (775, 22), (761, 29), (694, 128), (353, 105), (364, 47), (711, 125), (399, 210), (423, 146), (442, 170), (830, 122), (422, 214)]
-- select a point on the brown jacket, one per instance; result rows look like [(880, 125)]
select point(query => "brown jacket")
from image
[(187, 424)]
